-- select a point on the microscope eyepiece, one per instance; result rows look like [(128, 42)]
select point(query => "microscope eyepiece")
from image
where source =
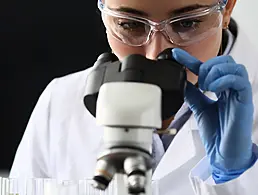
[(165, 55), (105, 57)]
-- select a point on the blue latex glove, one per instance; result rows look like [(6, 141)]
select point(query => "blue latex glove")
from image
[(225, 126)]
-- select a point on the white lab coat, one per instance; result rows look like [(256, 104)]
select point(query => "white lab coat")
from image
[(62, 140)]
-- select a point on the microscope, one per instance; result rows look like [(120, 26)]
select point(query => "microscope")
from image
[(130, 99)]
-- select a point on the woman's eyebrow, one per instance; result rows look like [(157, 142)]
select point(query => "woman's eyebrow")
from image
[(130, 10), (178, 11), (188, 8)]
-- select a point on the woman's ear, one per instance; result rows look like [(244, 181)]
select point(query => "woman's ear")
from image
[(227, 12)]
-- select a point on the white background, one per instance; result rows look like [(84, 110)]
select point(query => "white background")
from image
[(246, 15)]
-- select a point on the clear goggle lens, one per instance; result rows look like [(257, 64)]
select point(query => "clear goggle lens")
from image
[(183, 31)]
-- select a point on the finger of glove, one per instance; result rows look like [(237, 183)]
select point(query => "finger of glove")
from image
[(184, 58), (196, 100), (233, 82), (207, 66), (221, 70)]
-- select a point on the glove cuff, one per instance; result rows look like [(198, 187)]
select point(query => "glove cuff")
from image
[(221, 175)]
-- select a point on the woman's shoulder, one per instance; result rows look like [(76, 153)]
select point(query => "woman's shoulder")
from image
[(72, 81), (67, 92)]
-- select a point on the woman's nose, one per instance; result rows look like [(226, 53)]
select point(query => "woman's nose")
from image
[(157, 44)]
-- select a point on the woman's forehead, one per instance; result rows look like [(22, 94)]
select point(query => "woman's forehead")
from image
[(158, 9)]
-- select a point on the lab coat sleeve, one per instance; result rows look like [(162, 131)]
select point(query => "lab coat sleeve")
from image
[(32, 156), (200, 177)]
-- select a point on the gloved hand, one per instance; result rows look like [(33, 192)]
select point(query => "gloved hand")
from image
[(225, 125)]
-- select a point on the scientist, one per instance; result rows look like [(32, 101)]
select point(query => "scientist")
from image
[(215, 151)]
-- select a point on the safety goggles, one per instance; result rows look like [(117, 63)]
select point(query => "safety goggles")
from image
[(181, 30)]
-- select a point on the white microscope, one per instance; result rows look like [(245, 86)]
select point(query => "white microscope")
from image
[(130, 99)]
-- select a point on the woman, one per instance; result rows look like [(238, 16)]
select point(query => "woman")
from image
[(62, 140)]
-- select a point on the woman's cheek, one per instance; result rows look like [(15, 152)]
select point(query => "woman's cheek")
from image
[(207, 48), (204, 50)]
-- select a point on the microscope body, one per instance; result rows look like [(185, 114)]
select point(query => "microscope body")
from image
[(128, 113), (130, 99)]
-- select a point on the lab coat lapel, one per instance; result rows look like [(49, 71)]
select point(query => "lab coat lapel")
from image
[(184, 152), (181, 150), (185, 147)]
